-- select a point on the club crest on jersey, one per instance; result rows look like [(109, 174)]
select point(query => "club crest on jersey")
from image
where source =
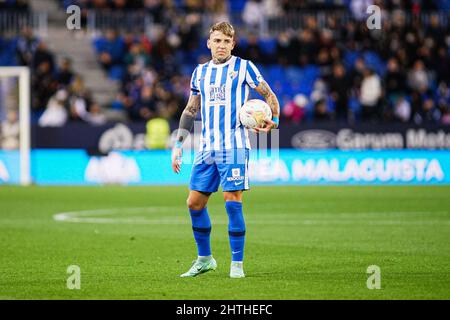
[(217, 94), (232, 74), (236, 176)]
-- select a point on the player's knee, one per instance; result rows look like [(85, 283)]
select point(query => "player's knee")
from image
[(232, 196), (193, 204)]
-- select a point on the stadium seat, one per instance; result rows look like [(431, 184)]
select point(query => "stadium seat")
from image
[(116, 72), (236, 6), (268, 46), (374, 61)]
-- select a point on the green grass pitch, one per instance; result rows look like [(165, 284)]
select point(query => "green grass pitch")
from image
[(302, 243)]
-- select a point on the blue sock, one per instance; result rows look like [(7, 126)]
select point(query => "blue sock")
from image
[(236, 229), (201, 225)]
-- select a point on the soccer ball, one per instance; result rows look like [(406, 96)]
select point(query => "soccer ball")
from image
[(254, 112)]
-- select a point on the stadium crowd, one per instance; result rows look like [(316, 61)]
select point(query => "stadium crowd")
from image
[(338, 71), (58, 94)]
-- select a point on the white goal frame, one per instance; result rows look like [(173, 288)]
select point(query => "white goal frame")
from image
[(23, 74)]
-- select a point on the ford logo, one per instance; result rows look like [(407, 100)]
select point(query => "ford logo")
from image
[(314, 139)]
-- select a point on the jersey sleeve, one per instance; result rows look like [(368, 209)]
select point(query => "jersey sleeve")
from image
[(194, 83), (252, 75)]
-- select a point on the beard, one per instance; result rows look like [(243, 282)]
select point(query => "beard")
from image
[(221, 60)]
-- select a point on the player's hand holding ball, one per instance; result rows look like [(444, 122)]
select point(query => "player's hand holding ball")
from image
[(256, 115), (177, 153)]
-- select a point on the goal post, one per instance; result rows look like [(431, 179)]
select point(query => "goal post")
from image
[(23, 75)]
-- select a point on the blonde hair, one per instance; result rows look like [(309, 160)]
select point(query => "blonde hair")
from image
[(225, 27)]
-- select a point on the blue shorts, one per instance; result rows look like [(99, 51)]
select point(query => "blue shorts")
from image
[(226, 167)]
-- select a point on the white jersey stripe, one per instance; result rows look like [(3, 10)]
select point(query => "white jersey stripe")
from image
[(207, 107), (199, 75), (228, 104), (216, 110), (239, 102), (247, 139)]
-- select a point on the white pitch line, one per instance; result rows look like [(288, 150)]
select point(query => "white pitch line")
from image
[(91, 216)]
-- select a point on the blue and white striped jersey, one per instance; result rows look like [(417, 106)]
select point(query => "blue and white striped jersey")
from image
[(223, 89)]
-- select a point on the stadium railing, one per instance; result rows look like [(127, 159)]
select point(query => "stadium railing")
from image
[(272, 26), (13, 21), (140, 21), (130, 21)]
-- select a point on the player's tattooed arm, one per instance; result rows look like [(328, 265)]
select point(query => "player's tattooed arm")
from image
[(188, 117), (264, 89)]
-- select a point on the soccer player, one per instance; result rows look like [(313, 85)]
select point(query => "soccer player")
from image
[(219, 88)]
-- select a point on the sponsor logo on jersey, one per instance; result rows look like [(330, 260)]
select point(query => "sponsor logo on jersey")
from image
[(217, 94)]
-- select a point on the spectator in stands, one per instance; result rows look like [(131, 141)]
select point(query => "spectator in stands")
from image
[(285, 55), (306, 46), (357, 73), (217, 9), (79, 101), (163, 51), (190, 31), (429, 113), (137, 56), (294, 111), (65, 73), (402, 109), (253, 14), (156, 10), (272, 8), (418, 77), (252, 50), (324, 62), (435, 30), (446, 116), (55, 114), (339, 91), (293, 5), (359, 7), (146, 105), (319, 91), (370, 96), (443, 96), (95, 115), (442, 65), (111, 50), (321, 113), (395, 79), (18, 5), (120, 4), (43, 85), (26, 46), (43, 55)]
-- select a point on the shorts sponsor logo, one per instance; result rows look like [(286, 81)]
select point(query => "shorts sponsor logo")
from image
[(235, 178)]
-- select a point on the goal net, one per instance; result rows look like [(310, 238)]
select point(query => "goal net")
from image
[(15, 167)]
